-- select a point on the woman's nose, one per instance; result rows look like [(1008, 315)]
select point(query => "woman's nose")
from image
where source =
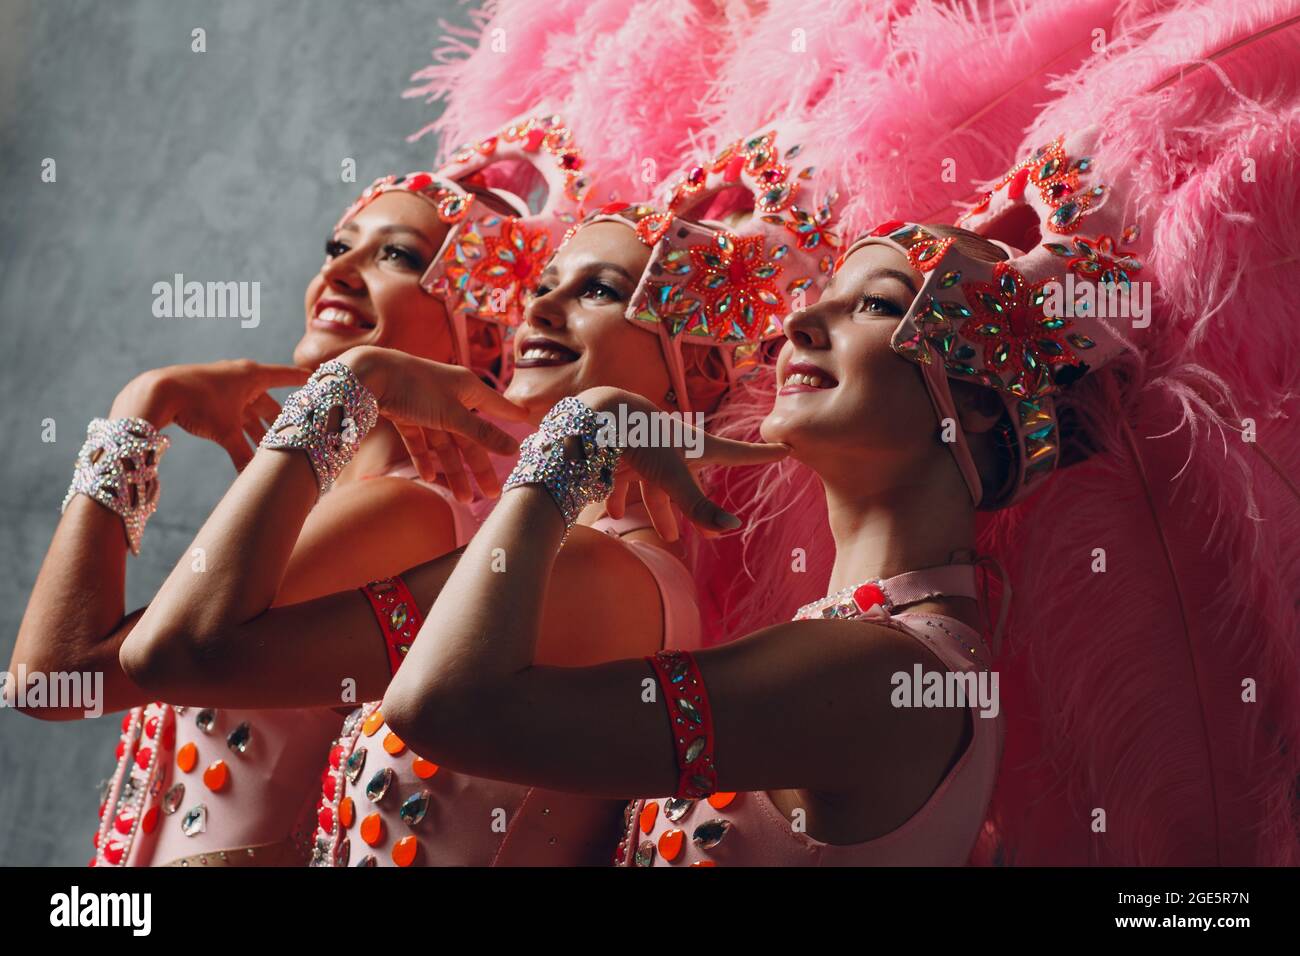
[(544, 312), (341, 274), (807, 328)]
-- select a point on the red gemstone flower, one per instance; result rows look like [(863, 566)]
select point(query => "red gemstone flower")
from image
[(512, 259), (737, 283), (1020, 341)]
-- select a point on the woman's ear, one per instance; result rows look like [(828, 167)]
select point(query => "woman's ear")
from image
[(978, 408)]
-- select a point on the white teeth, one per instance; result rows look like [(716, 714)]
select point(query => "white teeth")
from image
[(812, 381), (338, 317), (544, 354)]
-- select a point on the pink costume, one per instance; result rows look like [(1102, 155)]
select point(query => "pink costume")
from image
[(385, 806), (747, 828)]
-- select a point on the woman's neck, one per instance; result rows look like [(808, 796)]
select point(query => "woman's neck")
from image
[(881, 533)]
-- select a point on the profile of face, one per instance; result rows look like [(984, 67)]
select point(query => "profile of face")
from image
[(846, 401), (368, 291), (574, 334)]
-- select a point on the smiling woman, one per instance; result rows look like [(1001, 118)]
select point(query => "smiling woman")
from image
[(179, 794)]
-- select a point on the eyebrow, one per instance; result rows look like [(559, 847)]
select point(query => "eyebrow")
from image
[(594, 265), (895, 274), (389, 230)]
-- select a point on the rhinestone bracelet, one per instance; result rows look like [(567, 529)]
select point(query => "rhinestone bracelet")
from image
[(118, 467), (304, 420), (572, 483)]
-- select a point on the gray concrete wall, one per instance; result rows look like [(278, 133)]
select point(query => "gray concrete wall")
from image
[(223, 165)]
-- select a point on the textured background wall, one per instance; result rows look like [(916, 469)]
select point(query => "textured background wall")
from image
[(223, 165)]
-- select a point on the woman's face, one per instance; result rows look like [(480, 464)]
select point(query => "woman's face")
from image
[(844, 397), (368, 291), (574, 334)]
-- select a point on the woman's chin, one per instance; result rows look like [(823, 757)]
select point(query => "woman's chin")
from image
[(313, 350), (538, 389)]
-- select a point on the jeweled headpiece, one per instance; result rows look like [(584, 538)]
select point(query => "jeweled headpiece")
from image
[(707, 284), (492, 261), (1019, 326)]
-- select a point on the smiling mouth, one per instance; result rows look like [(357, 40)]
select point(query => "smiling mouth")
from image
[(540, 353), (334, 319), (806, 378)]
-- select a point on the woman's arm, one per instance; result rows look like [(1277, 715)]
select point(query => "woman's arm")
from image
[(798, 705), (76, 620), (214, 637)]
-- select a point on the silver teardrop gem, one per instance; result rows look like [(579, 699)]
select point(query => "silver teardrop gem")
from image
[(710, 833), (414, 808), (205, 719), (171, 802), (378, 786), (195, 820), (676, 807), (366, 860), (645, 854), (239, 738), (355, 764)]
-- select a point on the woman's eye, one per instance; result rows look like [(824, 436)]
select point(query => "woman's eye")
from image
[(878, 305), (540, 291), (601, 290), (334, 248), (402, 255)]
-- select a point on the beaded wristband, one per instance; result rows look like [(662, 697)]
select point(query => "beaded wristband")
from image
[(118, 467), (691, 719), (572, 484), (398, 615), (303, 422)]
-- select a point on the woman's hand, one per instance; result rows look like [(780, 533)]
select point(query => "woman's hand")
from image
[(666, 473), (225, 402), (432, 406)]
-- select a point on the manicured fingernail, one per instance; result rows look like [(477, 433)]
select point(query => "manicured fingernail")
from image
[(727, 520)]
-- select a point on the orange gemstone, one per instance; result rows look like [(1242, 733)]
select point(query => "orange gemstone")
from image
[(346, 815), (186, 757), (704, 863), (720, 800), (216, 776), (372, 829), (373, 723), (393, 744), (670, 844), (648, 814), (404, 851), (424, 769)]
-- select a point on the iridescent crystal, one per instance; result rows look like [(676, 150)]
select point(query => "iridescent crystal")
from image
[(687, 708), (205, 719), (356, 763), (195, 820), (710, 833), (378, 786), (677, 807), (414, 807), (238, 738), (171, 800), (645, 854)]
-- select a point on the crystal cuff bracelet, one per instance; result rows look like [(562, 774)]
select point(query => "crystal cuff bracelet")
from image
[(118, 467), (572, 483), (304, 421)]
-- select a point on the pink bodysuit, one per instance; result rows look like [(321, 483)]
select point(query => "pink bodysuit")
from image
[(747, 829), (395, 809)]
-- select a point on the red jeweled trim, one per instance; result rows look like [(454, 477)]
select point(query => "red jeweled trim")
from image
[(691, 718), (398, 615)]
